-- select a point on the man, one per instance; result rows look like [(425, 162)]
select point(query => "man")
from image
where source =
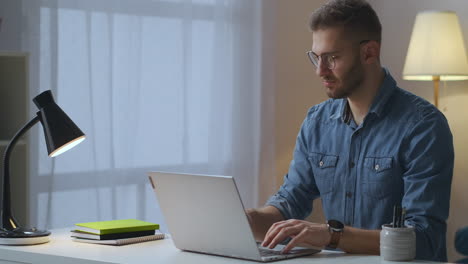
[(370, 147)]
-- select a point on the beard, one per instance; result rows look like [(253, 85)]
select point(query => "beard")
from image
[(350, 81)]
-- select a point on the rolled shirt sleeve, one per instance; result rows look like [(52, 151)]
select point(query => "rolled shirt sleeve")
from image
[(295, 196), (427, 183)]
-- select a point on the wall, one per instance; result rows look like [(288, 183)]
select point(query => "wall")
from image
[(297, 88), (10, 27)]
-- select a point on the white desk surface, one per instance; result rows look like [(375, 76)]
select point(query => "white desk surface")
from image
[(62, 250)]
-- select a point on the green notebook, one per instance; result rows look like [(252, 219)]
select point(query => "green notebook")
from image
[(116, 226)]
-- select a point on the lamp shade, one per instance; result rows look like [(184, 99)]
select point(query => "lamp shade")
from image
[(436, 48), (60, 132)]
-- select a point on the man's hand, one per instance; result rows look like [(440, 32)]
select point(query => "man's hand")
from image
[(261, 219), (303, 233)]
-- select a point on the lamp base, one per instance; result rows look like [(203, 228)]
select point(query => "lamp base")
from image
[(23, 236)]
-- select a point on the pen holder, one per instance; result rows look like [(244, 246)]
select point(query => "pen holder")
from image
[(397, 243)]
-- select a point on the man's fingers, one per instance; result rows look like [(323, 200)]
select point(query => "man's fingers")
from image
[(281, 230), (284, 233), (301, 233), (273, 231), (269, 235), (296, 240)]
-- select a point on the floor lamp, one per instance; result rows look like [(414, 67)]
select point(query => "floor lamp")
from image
[(436, 50)]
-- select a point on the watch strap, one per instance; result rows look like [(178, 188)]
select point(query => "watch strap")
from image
[(335, 239), (335, 228)]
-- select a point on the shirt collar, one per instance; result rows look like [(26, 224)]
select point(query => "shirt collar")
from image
[(385, 91), (345, 111)]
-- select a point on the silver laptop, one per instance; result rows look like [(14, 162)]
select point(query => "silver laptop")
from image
[(205, 214)]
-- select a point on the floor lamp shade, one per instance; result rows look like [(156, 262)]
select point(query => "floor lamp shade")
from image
[(60, 131), (436, 48)]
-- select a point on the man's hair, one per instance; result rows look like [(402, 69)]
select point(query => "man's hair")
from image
[(357, 17)]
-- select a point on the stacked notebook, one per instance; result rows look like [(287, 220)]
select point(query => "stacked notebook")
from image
[(116, 232)]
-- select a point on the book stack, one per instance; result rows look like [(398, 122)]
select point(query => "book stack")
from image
[(116, 232)]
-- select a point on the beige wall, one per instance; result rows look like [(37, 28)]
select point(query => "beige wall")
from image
[(297, 88), (289, 73)]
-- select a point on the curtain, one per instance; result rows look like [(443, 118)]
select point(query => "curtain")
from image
[(155, 86)]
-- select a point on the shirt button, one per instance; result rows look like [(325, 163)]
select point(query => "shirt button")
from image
[(351, 165), (377, 167), (349, 194), (321, 163)]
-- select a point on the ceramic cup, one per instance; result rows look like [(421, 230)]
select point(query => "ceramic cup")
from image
[(397, 244)]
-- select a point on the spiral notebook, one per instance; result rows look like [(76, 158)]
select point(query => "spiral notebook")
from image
[(120, 242)]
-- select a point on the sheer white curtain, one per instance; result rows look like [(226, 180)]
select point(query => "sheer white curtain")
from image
[(155, 85)]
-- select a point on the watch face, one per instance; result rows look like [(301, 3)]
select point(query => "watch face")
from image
[(335, 224)]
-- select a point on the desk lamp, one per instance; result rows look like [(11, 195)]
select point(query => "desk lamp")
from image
[(61, 134), (436, 50)]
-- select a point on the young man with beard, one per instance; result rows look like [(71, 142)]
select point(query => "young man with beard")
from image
[(370, 147)]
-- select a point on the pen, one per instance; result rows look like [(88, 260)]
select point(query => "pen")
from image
[(394, 216), (397, 216), (402, 220)]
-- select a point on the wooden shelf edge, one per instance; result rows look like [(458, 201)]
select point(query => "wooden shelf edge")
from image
[(4, 143)]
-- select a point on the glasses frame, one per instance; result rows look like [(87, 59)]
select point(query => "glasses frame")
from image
[(329, 59)]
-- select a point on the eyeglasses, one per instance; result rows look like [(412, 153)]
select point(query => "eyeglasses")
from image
[(327, 60)]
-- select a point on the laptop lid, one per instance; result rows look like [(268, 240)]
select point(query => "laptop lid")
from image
[(205, 214)]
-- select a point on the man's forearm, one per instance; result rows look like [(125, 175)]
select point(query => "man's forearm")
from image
[(360, 241), (261, 220), (353, 240)]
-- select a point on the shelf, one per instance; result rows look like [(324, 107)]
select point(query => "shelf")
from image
[(4, 143), (14, 105)]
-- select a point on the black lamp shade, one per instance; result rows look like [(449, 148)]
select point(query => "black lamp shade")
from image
[(60, 132)]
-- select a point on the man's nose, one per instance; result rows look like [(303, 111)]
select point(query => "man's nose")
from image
[(322, 68)]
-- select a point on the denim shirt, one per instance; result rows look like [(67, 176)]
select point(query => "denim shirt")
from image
[(401, 154)]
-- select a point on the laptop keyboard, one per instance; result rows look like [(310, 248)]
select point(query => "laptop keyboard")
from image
[(268, 252)]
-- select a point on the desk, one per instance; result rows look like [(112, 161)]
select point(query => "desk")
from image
[(62, 250)]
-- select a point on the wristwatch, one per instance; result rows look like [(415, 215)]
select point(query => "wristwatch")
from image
[(335, 228)]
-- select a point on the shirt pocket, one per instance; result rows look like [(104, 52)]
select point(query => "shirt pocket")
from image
[(324, 168), (378, 177)]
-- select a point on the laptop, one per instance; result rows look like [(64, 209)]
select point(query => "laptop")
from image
[(204, 214)]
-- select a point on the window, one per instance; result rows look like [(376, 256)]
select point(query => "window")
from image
[(155, 85)]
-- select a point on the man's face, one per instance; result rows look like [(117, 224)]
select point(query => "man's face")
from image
[(348, 73)]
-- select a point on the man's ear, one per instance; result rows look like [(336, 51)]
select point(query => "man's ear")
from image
[(370, 52)]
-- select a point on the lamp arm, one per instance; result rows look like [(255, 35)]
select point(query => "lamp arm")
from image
[(7, 219)]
